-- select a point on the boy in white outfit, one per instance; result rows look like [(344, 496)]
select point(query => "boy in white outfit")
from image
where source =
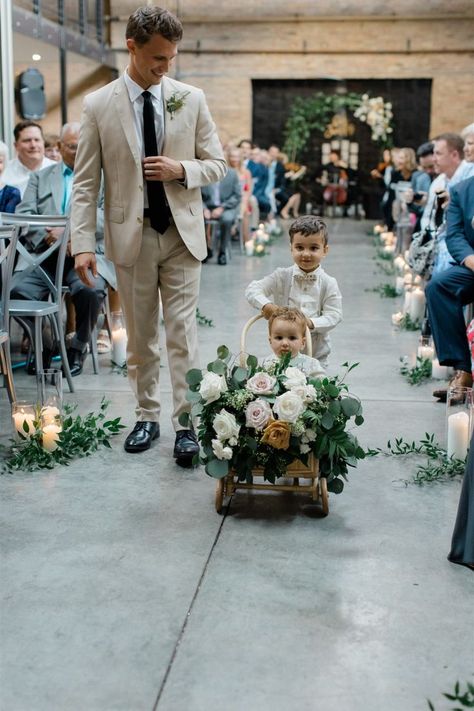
[(287, 334), (304, 286)]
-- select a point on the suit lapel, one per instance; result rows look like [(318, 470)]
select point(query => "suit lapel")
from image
[(166, 92), (124, 110)]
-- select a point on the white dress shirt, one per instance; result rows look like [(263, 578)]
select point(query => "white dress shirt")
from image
[(17, 174)]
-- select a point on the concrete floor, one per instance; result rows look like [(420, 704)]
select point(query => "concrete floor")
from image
[(123, 590)]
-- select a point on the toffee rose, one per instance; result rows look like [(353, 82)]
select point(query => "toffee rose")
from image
[(277, 434)]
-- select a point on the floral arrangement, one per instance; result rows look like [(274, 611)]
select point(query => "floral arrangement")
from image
[(377, 114), (42, 447), (176, 102), (270, 415)]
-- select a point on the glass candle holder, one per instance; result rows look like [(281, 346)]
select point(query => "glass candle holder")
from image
[(459, 404), (119, 339), (23, 418), (50, 394), (425, 348)]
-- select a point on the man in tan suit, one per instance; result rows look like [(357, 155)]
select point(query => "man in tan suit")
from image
[(156, 144)]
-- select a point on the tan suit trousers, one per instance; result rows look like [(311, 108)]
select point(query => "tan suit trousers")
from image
[(165, 268)]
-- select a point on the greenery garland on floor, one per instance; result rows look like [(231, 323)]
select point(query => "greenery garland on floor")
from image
[(465, 698), (438, 467), (80, 437), (420, 372)]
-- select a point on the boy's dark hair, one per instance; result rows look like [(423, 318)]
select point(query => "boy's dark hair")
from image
[(336, 151), (21, 125), (153, 20), (426, 149), (286, 314), (309, 225)]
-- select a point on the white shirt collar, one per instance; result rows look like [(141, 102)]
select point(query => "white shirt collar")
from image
[(298, 271), (135, 90)]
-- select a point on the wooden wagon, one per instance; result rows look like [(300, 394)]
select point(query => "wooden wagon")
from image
[(300, 478)]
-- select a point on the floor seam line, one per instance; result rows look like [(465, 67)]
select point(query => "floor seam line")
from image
[(189, 611)]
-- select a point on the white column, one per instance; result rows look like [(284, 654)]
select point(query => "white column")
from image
[(7, 97)]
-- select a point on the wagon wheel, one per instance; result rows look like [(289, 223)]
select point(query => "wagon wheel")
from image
[(323, 490), (219, 495)]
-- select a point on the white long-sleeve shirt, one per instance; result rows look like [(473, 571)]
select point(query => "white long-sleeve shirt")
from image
[(318, 298)]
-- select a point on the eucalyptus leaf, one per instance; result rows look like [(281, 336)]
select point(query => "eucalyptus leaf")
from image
[(217, 468), (184, 419), (194, 376), (350, 406), (327, 420), (218, 367), (223, 352)]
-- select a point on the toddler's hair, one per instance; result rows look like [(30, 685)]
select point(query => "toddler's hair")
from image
[(286, 314), (309, 225)]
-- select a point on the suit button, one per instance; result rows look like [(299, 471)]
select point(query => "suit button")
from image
[(139, 220)]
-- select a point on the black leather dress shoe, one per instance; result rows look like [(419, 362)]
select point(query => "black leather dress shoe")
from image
[(222, 259), (141, 437), (185, 447), (209, 255), (76, 359)]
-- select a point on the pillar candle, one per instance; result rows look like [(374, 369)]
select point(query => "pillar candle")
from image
[(399, 283), (49, 413), (458, 435), (417, 305), (249, 248), (439, 372), (407, 302), (399, 263), (19, 418), (51, 437), (425, 352), (119, 346)]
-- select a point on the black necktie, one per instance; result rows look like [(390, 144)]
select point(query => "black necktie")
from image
[(159, 210)]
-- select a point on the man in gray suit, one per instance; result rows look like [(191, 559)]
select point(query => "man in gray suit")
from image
[(222, 202), (48, 193)]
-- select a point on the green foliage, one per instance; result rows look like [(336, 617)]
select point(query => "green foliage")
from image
[(203, 320), (386, 291), (437, 468), (313, 114), (420, 372), (80, 437), (406, 324), (463, 697), (120, 369)]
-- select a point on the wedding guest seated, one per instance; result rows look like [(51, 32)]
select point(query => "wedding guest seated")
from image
[(30, 157), (9, 195), (287, 334), (421, 180), (450, 290), (258, 166), (294, 174), (48, 193), (222, 203), (51, 147), (277, 186), (305, 285), (334, 179)]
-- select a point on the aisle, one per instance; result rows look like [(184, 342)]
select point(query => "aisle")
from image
[(123, 590)]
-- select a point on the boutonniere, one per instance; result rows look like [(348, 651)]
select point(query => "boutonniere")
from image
[(176, 102)]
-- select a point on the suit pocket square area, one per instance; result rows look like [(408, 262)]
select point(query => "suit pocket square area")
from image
[(115, 214)]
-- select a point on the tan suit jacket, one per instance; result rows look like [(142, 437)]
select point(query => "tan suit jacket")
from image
[(108, 142)]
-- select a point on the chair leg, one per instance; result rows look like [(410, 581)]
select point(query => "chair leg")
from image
[(6, 364), (38, 347), (93, 348), (62, 346)]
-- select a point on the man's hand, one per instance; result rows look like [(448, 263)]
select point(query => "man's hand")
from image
[(83, 263), (469, 262), (53, 234), (162, 168), (207, 213), (268, 309), (217, 212), (442, 197)]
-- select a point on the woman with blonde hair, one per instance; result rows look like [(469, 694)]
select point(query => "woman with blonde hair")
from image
[(249, 205)]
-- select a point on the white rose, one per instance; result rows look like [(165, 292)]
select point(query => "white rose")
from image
[(261, 384), (288, 406), (306, 392), (212, 386), (220, 451), (294, 377), (257, 414), (225, 425)]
